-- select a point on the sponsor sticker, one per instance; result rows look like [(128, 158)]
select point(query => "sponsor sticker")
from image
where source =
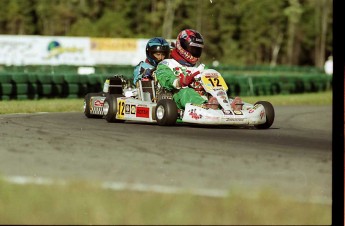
[(227, 112), (194, 115), (164, 62), (127, 108), (213, 118), (198, 105), (211, 75), (234, 119), (238, 112), (256, 106), (221, 93), (133, 109), (98, 103), (142, 112)]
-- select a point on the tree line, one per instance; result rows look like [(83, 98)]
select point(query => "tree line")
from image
[(236, 32)]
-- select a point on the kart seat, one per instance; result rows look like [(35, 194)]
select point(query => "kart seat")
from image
[(146, 89), (115, 85)]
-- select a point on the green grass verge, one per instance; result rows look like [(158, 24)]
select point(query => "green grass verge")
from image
[(71, 105), (82, 203)]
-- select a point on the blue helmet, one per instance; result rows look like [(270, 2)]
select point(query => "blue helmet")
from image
[(156, 44)]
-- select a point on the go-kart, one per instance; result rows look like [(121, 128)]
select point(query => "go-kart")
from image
[(148, 102)]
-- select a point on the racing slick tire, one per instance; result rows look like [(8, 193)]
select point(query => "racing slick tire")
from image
[(87, 103), (110, 108), (166, 112), (269, 110)]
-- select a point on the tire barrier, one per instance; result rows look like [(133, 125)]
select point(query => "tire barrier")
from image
[(69, 84), (253, 85)]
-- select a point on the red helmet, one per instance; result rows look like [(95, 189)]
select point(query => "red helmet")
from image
[(189, 45)]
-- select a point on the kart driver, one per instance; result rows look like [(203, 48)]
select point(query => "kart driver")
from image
[(177, 74), (157, 49)]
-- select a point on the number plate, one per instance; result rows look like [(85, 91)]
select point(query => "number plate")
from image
[(120, 109), (214, 82)]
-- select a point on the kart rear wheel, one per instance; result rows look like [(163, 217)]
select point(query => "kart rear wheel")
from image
[(110, 108), (166, 112), (269, 110), (87, 103)]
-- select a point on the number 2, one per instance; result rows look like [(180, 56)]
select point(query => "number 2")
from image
[(216, 80)]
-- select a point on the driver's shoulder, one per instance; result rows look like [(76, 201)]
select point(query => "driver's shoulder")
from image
[(170, 63)]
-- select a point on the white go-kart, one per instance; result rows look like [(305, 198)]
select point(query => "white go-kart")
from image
[(148, 102)]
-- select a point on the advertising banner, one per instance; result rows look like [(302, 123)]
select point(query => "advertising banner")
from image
[(57, 50), (117, 51), (44, 50)]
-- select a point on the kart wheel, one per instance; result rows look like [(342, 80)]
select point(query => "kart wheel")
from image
[(166, 112), (269, 110), (110, 108), (87, 103)]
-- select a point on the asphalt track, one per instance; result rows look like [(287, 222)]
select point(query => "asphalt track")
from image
[(293, 157)]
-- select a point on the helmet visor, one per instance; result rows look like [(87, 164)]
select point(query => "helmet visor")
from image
[(161, 49), (195, 51)]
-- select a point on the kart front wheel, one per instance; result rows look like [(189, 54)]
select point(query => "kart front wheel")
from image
[(269, 111), (166, 112), (110, 108)]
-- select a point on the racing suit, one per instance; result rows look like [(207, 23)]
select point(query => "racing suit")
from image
[(143, 70), (167, 74)]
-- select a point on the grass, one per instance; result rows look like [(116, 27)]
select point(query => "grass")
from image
[(76, 105), (82, 203), (41, 105)]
